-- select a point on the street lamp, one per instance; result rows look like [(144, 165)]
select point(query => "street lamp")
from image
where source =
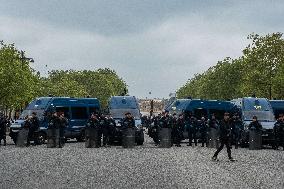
[(23, 58)]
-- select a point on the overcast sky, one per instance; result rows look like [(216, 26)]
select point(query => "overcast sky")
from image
[(154, 45)]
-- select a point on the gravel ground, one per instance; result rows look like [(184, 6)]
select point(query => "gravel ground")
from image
[(146, 166)]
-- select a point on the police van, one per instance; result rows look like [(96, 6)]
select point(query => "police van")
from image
[(260, 107), (76, 110), (200, 108), (278, 107), (117, 107)]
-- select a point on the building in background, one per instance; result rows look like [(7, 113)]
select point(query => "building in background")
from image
[(145, 106)]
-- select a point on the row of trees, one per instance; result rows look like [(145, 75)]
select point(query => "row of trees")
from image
[(259, 71), (19, 83)]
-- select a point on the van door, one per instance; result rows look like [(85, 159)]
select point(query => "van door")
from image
[(79, 116)]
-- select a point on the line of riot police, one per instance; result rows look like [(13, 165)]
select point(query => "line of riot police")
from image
[(186, 125), (100, 127)]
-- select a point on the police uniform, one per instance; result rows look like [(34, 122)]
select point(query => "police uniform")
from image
[(191, 127), (202, 126), (225, 137), (237, 128), (96, 124), (279, 133), (3, 125)]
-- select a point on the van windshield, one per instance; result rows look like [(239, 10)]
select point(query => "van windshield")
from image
[(259, 107), (120, 113), (123, 103), (26, 113), (180, 105)]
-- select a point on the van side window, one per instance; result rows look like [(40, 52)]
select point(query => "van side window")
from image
[(219, 114), (79, 112), (93, 110), (65, 110)]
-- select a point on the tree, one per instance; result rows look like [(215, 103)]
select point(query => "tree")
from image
[(263, 59), (259, 71), (18, 80)]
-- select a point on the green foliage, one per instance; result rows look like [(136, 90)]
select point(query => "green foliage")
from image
[(19, 83), (100, 84), (18, 80), (259, 71)]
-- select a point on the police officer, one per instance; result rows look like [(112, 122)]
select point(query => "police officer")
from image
[(191, 127), (128, 121), (53, 124), (128, 125), (94, 122), (33, 129), (28, 125), (111, 128), (178, 129), (279, 132), (154, 131), (213, 125), (202, 126), (62, 126), (165, 129), (225, 137), (237, 128), (166, 120), (255, 124), (105, 130), (3, 125)]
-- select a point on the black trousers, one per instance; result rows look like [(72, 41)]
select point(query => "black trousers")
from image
[(192, 136), (176, 136), (228, 146), (2, 137), (203, 138), (106, 135)]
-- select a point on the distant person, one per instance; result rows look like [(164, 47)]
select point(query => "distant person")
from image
[(3, 126), (237, 128), (178, 126), (191, 128), (33, 129), (279, 132), (255, 125), (225, 137), (203, 127), (128, 121), (62, 126), (94, 122), (166, 120)]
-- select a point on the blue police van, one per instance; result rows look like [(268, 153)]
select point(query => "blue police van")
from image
[(200, 108), (260, 107), (76, 110), (278, 107), (118, 106)]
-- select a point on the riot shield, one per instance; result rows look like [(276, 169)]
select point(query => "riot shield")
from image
[(92, 138), (255, 139), (22, 137), (52, 138), (213, 138), (128, 140), (165, 135)]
